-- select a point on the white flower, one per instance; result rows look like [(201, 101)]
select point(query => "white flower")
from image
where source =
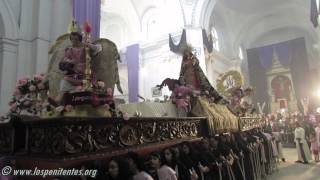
[(59, 108), (100, 84)]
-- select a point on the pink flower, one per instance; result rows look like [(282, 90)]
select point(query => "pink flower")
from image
[(38, 77), (100, 84), (106, 106), (79, 88), (38, 106), (109, 92), (68, 108), (40, 86), (17, 93), (11, 103), (13, 107), (23, 82), (27, 103), (95, 100), (32, 88)]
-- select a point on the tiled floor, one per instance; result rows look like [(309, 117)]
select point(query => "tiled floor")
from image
[(295, 171)]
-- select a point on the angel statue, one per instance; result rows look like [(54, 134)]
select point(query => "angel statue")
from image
[(68, 67), (180, 96)]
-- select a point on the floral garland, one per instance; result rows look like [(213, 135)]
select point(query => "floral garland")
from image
[(30, 97)]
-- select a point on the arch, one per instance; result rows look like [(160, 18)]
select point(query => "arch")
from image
[(273, 36), (256, 27), (115, 28), (150, 20), (10, 25), (217, 19), (206, 11), (215, 38)]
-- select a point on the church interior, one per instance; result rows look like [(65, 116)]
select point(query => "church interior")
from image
[(164, 90)]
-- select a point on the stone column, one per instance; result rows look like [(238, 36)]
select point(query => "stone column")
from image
[(8, 72)]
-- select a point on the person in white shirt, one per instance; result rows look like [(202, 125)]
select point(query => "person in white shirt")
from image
[(317, 131), (303, 150), (164, 172), (277, 139), (136, 166)]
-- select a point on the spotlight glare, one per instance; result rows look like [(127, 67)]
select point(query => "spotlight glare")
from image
[(318, 93)]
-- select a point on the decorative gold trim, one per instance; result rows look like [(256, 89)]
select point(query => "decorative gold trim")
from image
[(236, 75)]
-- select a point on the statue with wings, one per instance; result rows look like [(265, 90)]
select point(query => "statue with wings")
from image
[(69, 69)]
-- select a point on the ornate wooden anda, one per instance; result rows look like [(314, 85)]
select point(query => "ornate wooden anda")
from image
[(74, 137)]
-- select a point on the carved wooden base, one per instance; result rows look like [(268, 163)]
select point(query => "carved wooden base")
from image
[(65, 141)]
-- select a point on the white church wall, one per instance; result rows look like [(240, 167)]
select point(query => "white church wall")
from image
[(8, 53), (41, 23), (157, 63), (219, 65), (15, 5), (120, 12), (28, 29), (8, 50), (61, 16)]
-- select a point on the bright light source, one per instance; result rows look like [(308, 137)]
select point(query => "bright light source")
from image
[(318, 110), (318, 93), (283, 110)]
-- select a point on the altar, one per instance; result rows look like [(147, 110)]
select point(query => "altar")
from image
[(280, 88)]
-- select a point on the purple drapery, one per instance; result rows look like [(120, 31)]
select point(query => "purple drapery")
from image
[(265, 56), (291, 53), (258, 78), (88, 10), (283, 51), (132, 58), (300, 70)]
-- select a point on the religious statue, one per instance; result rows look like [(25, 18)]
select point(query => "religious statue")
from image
[(281, 87), (194, 77), (181, 95), (240, 100), (69, 70), (73, 64), (82, 72)]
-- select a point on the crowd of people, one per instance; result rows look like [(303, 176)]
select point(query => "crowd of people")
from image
[(297, 129), (248, 155)]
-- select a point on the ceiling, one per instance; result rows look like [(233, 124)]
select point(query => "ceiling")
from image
[(245, 23), (250, 6), (253, 23)]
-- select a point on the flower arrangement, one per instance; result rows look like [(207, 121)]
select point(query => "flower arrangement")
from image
[(29, 95)]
